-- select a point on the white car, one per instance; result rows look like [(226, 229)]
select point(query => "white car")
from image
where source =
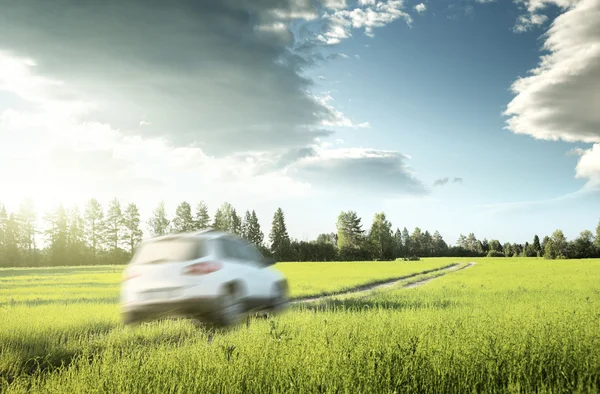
[(211, 276)]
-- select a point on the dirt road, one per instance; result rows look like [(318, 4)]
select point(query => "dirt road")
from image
[(388, 283)]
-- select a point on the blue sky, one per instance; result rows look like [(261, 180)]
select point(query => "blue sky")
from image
[(383, 101)]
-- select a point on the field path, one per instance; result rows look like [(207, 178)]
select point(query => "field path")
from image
[(388, 283), (424, 281)]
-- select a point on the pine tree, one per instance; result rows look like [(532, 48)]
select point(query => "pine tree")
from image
[(202, 219), (597, 238), (255, 235), (3, 236), (406, 242), (183, 221), (398, 243), (26, 219), (536, 244), (158, 223), (94, 225), (416, 239), (132, 234), (439, 245), (113, 225), (75, 237), (280, 240), (246, 225), (57, 234), (236, 223), (13, 255)]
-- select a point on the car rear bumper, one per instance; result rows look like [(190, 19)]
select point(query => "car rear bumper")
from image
[(189, 307)]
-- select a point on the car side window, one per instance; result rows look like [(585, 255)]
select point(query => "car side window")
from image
[(253, 253), (228, 249)]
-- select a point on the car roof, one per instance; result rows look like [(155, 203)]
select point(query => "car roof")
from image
[(209, 233)]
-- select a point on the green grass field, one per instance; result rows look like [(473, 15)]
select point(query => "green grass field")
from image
[(504, 325)]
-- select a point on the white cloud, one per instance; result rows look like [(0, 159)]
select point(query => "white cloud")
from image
[(561, 97), (337, 118), (529, 21), (334, 4), (588, 166), (372, 15), (420, 8)]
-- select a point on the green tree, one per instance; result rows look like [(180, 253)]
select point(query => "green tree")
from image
[(427, 244), (75, 237), (397, 243), (113, 225), (57, 235), (583, 246), (556, 247), (544, 243), (202, 219), (471, 243), (3, 236), (507, 249), (226, 219), (417, 242), (496, 246), (537, 248), (406, 242), (246, 224), (327, 238), (132, 234), (597, 239), (158, 223), (280, 240), (462, 241), (183, 221), (349, 230), (255, 234), (485, 246), (94, 225), (236, 223), (26, 219), (380, 237), (12, 234), (440, 248)]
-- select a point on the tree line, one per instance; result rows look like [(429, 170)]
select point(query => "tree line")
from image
[(109, 236)]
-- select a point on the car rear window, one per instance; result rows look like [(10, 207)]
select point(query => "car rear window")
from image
[(169, 251)]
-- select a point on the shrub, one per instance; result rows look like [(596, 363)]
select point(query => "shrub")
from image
[(412, 258), (495, 253)]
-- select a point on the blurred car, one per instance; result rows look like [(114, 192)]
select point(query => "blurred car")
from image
[(211, 276)]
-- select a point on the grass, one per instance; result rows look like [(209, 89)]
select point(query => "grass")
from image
[(504, 325), (42, 286)]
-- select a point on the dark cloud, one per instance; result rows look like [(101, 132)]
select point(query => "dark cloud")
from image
[(379, 174), (441, 181), (217, 73), (444, 181)]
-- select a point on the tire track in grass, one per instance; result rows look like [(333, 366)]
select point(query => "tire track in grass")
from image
[(427, 280), (380, 284)]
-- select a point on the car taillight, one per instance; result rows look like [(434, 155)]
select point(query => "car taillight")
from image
[(129, 275), (202, 268)]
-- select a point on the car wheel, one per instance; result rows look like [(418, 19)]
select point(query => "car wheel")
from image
[(231, 309), (129, 319), (281, 300)]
